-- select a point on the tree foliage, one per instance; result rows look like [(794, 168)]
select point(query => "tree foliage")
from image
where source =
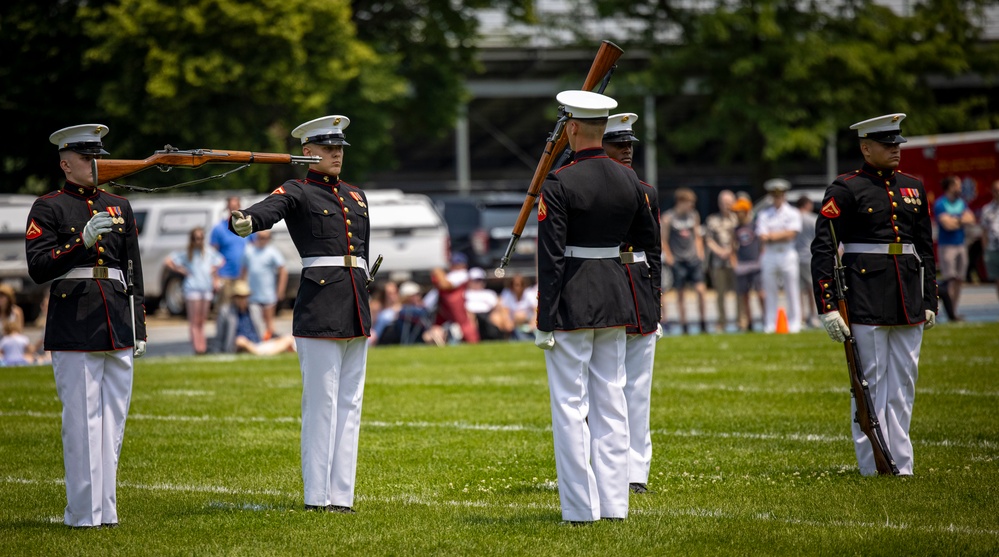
[(230, 74), (764, 81)]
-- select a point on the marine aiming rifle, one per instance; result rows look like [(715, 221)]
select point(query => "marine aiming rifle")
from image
[(866, 417), (107, 170), (600, 72)]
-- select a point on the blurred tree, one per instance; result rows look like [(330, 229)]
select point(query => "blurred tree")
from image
[(760, 81), (229, 74)]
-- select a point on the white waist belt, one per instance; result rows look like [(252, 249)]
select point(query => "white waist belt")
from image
[(335, 261), (634, 257), (94, 273), (882, 249), (593, 253)]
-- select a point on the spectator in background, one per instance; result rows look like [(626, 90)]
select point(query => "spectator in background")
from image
[(990, 235), (14, 346), (683, 251), (413, 322), (37, 350), (231, 246), (10, 312), (491, 318), (952, 215), (450, 287), (265, 271), (719, 228), (199, 266), (522, 305), (776, 227), (803, 245), (385, 308), (239, 332), (746, 263)]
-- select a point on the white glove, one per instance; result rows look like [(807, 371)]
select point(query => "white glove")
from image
[(98, 224), (835, 326), (544, 340), (140, 348), (241, 225), (931, 320), (659, 332)]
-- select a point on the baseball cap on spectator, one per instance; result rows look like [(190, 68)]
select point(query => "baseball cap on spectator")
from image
[(409, 288), (459, 259), (477, 273)]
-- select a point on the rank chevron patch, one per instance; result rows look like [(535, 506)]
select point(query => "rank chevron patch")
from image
[(542, 208), (34, 230), (830, 210)]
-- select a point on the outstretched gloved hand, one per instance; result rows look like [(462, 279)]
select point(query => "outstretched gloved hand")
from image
[(659, 332), (544, 340), (98, 224), (241, 225), (140, 348), (931, 320), (835, 326)]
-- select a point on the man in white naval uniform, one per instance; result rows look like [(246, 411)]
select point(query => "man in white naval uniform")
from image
[(586, 211), (645, 272), (776, 227), (882, 220), (328, 221), (83, 239)]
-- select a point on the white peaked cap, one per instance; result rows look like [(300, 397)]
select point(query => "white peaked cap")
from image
[(84, 138), (776, 184), (885, 129), (619, 127), (327, 130), (585, 104)]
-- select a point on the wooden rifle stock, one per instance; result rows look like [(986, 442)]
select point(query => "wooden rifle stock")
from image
[(107, 170), (603, 63), (866, 418)]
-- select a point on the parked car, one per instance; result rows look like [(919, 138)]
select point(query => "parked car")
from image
[(14, 210), (409, 234), (480, 227)]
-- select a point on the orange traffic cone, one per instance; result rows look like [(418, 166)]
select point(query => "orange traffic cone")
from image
[(781, 322)]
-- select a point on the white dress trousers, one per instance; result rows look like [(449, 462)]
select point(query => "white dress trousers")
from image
[(586, 379), (640, 357), (332, 390), (95, 389), (889, 357), (779, 262)]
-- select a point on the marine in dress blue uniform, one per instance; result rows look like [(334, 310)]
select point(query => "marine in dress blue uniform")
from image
[(586, 211), (81, 238), (881, 217), (644, 271), (328, 222)]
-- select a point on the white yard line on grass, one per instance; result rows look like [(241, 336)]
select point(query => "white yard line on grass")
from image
[(408, 499), (465, 426)]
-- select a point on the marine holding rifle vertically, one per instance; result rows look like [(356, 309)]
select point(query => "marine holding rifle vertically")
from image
[(586, 211), (328, 221), (85, 241), (888, 289)]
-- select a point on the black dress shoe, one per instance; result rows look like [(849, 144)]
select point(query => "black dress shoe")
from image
[(315, 507), (109, 525), (340, 509), (612, 518), (638, 488)]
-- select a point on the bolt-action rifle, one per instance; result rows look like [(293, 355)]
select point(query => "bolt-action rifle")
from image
[(859, 388), (106, 170), (600, 71)]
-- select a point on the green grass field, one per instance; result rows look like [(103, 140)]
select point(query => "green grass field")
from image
[(752, 456)]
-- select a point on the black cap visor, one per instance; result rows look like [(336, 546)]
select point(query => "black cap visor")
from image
[(86, 148), (889, 137), (620, 137), (328, 139)]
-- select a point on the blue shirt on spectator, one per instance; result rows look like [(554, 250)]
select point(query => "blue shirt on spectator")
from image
[(262, 266), (245, 328), (231, 247), (199, 268), (955, 208)]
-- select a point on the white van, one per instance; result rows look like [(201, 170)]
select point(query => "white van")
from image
[(409, 234)]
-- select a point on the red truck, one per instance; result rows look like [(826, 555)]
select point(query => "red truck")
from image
[(971, 156)]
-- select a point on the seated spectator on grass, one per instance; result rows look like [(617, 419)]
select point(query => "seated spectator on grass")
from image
[(522, 304), (238, 332), (384, 310), (491, 318), (14, 345), (413, 323)]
